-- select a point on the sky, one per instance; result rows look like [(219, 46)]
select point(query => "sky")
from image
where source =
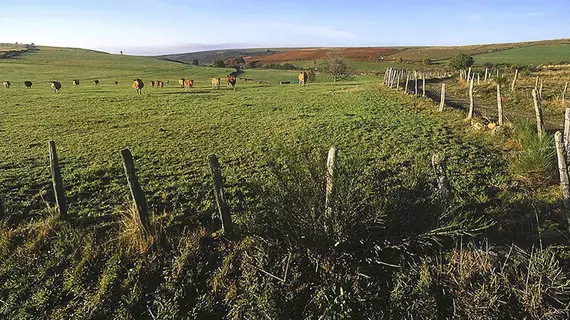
[(143, 27)]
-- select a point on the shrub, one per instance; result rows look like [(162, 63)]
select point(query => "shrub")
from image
[(195, 62), (461, 61), (219, 63)]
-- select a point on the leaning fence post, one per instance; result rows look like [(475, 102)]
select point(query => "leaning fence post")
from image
[(471, 102), (567, 130), (444, 189), (331, 165), (223, 209), (563, 169), (515, 80), (499, 105), (442, 103), (538, 111), (136, 191), (56, 180), (564, 95)]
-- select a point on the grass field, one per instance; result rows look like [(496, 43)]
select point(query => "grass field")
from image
[(535, 55), (381, 252)]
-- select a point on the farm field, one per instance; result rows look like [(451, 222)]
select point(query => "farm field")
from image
[(391, 235), (535, 55)]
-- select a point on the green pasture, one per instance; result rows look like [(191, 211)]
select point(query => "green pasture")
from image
[(535, 55)]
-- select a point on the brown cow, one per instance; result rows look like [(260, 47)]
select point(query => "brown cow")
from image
[(231, 82), (215, 83), (55, 86), (138, 85), (188, 84), (159, 84)]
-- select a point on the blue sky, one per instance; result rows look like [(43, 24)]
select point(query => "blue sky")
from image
[(168, 26)]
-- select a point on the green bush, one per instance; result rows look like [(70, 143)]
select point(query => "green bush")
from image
[(461, 61)]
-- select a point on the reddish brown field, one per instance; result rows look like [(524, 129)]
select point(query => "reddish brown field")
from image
[(360, 54)]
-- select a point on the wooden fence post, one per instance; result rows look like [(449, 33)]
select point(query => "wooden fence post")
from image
[(471, 101), (398, 81), (536, 83), (331, 166), (416, 83), (444, 189), (442, 103), (136, 190), (468, 75), (540, 90), (407, 83), (563, 170), (386, 76), (424, 85), (564, 95), (538, 111), (478, 78), (486, 74), (515, 80), (56, 180), (567, 130), (499, 105), (223, 209)]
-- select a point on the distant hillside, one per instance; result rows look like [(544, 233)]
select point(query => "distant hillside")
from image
[(368, 54), (206, 57)]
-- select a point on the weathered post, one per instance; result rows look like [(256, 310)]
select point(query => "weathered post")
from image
[(564, 95), (416, 83), (407, 82), (478, 78), (538, 111), (136, 190), (567, 130), (536, 83), (223, 209), (471, 101), (424, 85), (331, 165), (442, 102), (515, 80), (440, 171), (499, 105), (486, 74), (563, 170), (386, 76), (468, 74), (398, 81), (540, 90), (57, 181)]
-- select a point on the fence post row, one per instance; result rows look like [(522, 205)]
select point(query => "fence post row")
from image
[(56, 180), (136, 190), (223, 209)]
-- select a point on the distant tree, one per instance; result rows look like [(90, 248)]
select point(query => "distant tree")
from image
[(240, 60), (195, 62), (219, 63), (288, 66), (336, 67), (461, 61)]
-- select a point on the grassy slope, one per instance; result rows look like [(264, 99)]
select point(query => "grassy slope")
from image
[(535, 55)]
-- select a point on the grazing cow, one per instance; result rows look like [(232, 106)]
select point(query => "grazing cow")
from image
[(115, 82), (188, 84), (138, 85), (181, 82), (76, 83), (152, 83), (28, 84), (159, 84), (55, 86), (96, 82), (167, 81), (215, 83), (302, 78), (231, 82), (7, 84)]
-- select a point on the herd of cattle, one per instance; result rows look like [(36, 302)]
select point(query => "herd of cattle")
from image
[(138, 84)]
